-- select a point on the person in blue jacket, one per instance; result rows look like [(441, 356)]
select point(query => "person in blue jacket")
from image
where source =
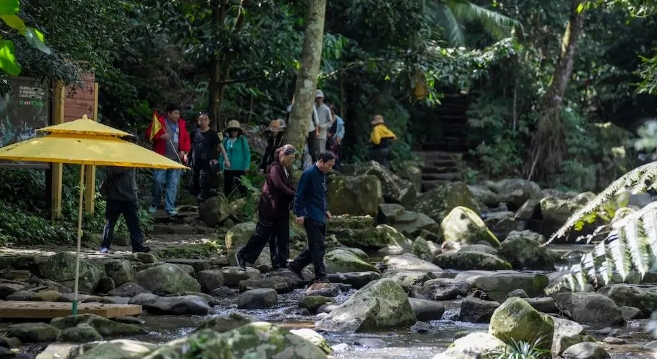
[(237, 158), (311, 210)]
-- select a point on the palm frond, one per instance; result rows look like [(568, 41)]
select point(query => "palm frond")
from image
[(496, 24), (630, 246), (439, 14), (637, 180)]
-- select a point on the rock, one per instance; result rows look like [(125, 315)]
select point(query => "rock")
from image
[(313, 302), (104, 326), (182, 305), (379, 305), (593, 309), (223, 292), (234, 275), (412, 224), (105, 285), (421, 249), (82, 333), (484, 195), (167, 279), (356, 280), (426, 310), (120, 270), (470, 260), (411, 171), (499, 285), (226, 322), (257, 299), (128, 290), (408, 278), (358, 196), (631, 296), (515, 192), (586, 351), (214, 211), (631, 313), (462, 225), (543, 304), (46, 296), (341, 260), (389, 212), (281, 285), (566, 334), (129, 320), (7, 289), (481, 248), (210, 279), (473, 346), (146, 258), (116, 349), (313, 337), (475, 310), (238, 235), (516, 319), (396, 242), (408, 261), (442, 289), (61, 268), (526, 253), (324, 289), (33, 332), (438, 202), (503, 223), (393, 188)]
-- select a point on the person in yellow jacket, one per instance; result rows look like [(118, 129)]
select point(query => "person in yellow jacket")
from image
[(380, 139)]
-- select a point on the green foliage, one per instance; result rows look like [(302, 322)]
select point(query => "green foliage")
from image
[(522, 350), (8, 13)]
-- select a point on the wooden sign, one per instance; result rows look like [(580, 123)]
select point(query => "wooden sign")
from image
[(81, 101), (48, 310)]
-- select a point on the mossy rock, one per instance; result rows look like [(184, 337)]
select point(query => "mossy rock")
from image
[(61, 268), (344, 261), (516, 319), (356, 196), (438, 202), (462, 225), (471, 261), (190, 251)]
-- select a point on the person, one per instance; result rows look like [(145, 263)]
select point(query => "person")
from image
[(379, 138), (273, 214), (335, 136), (311, 210), (204, 154), (173, 142), (239, 158), (121, 199), (275, 141), (324, 122)]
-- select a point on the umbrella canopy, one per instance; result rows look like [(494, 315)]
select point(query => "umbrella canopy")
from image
[(87, 150), (84, 126)]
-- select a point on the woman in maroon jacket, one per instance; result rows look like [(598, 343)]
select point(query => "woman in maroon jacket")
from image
[(273, 213)]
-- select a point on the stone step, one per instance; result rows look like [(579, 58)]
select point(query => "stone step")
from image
[(429, 185), (441, 176), (439, 169)]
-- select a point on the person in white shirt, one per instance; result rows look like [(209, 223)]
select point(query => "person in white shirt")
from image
[(324, 121)]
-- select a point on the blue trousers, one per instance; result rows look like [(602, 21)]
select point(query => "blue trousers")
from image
[(169, 180)]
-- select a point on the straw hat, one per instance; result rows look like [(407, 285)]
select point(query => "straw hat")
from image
[(378, 119), (275, 126), (233, 125)]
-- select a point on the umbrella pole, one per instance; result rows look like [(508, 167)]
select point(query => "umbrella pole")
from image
[(77, 256)]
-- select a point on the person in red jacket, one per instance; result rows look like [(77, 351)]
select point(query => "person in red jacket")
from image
[(171, 141)]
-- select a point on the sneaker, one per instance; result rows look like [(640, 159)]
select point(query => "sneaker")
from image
[(295, 271), (104, 250), (152, 209), (172, 213), (240, 261), (142, 250)]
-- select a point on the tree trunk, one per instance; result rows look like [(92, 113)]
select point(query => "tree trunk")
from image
[(548, 143), (311, 58)]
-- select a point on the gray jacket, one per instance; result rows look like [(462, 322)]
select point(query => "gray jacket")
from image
[(125, 184)]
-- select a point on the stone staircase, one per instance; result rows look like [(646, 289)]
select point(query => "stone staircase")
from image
[(439, 167)]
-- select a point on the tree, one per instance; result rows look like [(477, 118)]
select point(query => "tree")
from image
[(8, 12), (311, 58)]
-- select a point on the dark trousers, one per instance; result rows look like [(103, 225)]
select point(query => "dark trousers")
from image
[(130, 210), (381, 155), (314, 251), (231, 181), (312, 145), (201, 181), (274, 231)]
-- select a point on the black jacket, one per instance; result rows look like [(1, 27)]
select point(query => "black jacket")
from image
[(273, 144), (124, 185)]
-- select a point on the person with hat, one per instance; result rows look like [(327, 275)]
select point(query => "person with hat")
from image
[(204, 152), (238, 157), (275, 141), (273, 213), (380, 139), (324, 122)]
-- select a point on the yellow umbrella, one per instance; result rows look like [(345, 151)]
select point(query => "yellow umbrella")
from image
[(81, 142)]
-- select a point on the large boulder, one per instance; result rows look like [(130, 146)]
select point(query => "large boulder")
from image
[(631, 296), (61, 268), (397, 243), (214, 210), (238, 235), (413, 223), (526, 253), (394, 189), (499, 285), (356, 232), (463, 226), (438, 202), (381, 304), (167, 279), (344, 261), (556, 211), (356, 196), (516, 319), (593, 309), (484, 195), (515, 192), (473, 346), (470, 260), (410, 170)]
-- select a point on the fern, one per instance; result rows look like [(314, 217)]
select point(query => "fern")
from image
[(630, 245), (638, 180)]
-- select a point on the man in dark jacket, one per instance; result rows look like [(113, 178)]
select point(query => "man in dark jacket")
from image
[(273, 213), (121, 198), (311, 209)]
